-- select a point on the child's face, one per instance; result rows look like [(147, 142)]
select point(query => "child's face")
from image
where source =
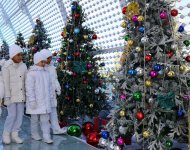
[(18, 58), (41, 63), (49, 60)]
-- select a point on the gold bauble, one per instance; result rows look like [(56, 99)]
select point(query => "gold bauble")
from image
[(171, 74), (146, 134), (65, 53), (77, 100), (61, 113), (124, 24), (85, 37), (148, 83), (89, 73), (30, 60), (182, 68), (140, 18), (122, 113), (138, 49), (130, 42), (91, 105)]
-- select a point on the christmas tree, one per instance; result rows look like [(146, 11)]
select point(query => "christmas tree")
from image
[(4, 51), (20, 42), (38, 40), (81, 83), (153, 84)]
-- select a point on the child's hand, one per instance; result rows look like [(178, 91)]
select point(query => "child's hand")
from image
[(7, 101), (33, 104)]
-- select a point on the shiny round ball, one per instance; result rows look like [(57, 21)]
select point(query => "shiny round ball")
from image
[(93, 138), (74, 130), (174, 46), (140, 18), (122, 97), (180, 113), (148, 83), (153, 74), (163, 15), (138, 49), (89, 73), (116, 147), (87, 128), (61, 113), (181, 28), (157, 67), (150, 100), (139, 115), (187, 58), (120, 141), (170, 54), (146, 134), (171, 74), (76, 30), (130, 42), (131, 72), (137, 96), (58, 60), (169, 143), (186, 42), (144, 40), (126, 37), (182, 68), (94, 37), (91, 105), (85, 37), (174, 12), (122, 130), (122, 113), (105, 134), (141, 29), (124, 10), (124, 24), (103, 142), (148, 57), (78, 100), (140, 71), (135, 18)]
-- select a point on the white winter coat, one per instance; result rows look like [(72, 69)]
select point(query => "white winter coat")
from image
[(2, 91), (55, 83), (14, 79), (39, 89)]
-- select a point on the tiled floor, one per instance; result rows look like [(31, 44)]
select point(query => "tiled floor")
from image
[(62, 142)]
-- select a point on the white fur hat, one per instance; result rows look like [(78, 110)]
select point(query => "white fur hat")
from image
[(38, 57), (46, 53), (14, 49)]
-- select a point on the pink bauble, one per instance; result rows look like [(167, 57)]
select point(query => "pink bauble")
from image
[(163, 15), (153, 74), (58, 60), (120, 141), (89, 66), (123, 97), (135, 18)]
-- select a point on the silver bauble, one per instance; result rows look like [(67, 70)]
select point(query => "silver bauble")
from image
[(174, 46), (139, 71), (111, 145), (116, 147), (144, 40), (103, 142), (150, 100), (122, 130)]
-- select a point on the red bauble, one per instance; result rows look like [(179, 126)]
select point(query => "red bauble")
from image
[(68, 98), (187, 58), (77, 54), (140, 115), (74, 74), (148, 57), (34, 49), (170, 54), (93, 139), (174, 12), (85, 81), (87, 128), (62, 33), (77, 15), (94, 37), (124, 10)]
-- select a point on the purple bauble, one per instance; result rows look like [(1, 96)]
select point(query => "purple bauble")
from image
[(122, 97), (153, 74), (163, 15), (89, 66), (120, 141), (58, 60), (135, 18)]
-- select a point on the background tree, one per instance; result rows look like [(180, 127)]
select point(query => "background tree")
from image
[(4, 51)]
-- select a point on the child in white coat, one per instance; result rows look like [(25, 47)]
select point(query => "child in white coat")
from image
[(13, 72), (2, 91), (39, 98), (56, 91)]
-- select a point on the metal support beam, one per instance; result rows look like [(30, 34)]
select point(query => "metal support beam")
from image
[(62, 10)]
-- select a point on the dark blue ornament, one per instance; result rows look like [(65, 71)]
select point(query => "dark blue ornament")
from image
[(180, 113), (73, 7), (181, 28), (157, 67), (105, 134), (132, 72), (67, 86), (76, 30), (102, 64), (69, 57), (141, 29)]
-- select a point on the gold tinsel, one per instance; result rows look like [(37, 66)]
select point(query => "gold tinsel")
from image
[(32, 40), (124, 55)]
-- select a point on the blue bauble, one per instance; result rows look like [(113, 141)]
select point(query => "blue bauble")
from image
[(181, 28), (141, 29), (67, 86), (105, 134), (157, 67), (76, 30), (102, 64), (69, 57), (132, 72), (73, 7), (180, 113)]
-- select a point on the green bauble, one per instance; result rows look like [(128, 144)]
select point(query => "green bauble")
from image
[(169, 143), (49, 40), (74, 130), (126, 37), (78, 8), (188, 83), (186, 42), (64, 44), (137, 96)]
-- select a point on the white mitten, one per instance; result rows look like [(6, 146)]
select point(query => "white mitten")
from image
[(33, 104), (7, 101)]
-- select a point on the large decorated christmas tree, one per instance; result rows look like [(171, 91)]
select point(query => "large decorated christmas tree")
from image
[(153, 84), (81, 84), (38, 40), (4, 51)]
